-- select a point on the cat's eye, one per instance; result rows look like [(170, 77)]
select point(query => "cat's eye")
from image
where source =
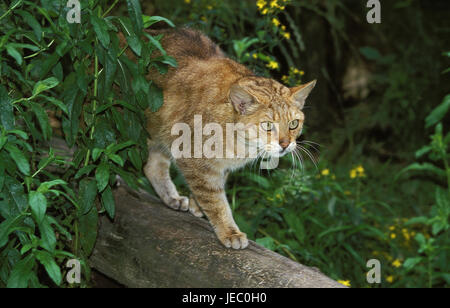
[(293, 124), (267, 126)]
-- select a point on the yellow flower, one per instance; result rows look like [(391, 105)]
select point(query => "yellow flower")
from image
[(274, 4), (357, 172), (393, 236), (283, 27), (276, 22), (272, 65), (284, 78), (345, 283), (397, 263), (187, 1), (209, 7), (203, 18), (265, 11), (255, 56), (390, 279), (392, 228), (287, 35), (261, 4), (325, 172), (302, 73)]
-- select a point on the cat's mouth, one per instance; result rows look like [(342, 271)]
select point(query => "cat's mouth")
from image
[(278, 151)]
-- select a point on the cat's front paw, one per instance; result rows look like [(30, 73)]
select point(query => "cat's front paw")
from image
[(178, 203), (233, 239)]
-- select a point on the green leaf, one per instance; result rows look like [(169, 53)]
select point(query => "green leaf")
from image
[(19, 133), (45, 85), (88, 192), (135, 12), (410, 263), (424, 150), (88, 230), (32, 22), (84, 171), (135, 158), (370, 53), (43, 120), (109, 69), (267, 242), (135, 43), (96, 153), (117, 159), (45, 186), (150, 20), (48, 237), (53, 270), (108, 202), (38, 204), (3, 140), (12, 51), (113, 148), (21, 273), (101, 29), (102, 176), (156, 98), (57, 103), (7, 227), (423, 167), (156, 43), (438, 113), (6, 110), (19, 158)]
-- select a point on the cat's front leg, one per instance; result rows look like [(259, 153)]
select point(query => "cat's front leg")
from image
[(208, 188)]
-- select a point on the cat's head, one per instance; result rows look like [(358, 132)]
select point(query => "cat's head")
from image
[(272, 111)]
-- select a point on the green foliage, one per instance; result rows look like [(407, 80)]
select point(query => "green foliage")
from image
[(77, 75)]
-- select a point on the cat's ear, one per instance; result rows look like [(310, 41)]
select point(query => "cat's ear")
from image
[(242, 101), (300, 93)]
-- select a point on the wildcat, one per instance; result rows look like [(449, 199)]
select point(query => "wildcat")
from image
[(209, 84)]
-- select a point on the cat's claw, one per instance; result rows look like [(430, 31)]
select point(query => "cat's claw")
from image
[(179, 203), (235, 240)]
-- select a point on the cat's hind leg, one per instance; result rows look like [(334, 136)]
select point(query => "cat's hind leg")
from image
[(157, 170)]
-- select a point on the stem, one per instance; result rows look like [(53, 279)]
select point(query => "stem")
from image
[(291, 256), (11, 9), (91, 135), (110, 8)]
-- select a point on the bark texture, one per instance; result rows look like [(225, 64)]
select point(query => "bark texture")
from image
[(150, 245)]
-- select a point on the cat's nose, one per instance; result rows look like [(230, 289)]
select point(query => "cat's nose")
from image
[(284, 143)]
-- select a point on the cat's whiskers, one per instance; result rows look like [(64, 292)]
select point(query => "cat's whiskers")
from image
[(299, 156), (307, 152), (310, 144)]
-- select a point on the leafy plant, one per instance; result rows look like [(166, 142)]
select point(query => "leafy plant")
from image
[(82, 83)]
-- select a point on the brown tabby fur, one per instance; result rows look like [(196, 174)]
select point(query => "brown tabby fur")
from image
[(208, 83)]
